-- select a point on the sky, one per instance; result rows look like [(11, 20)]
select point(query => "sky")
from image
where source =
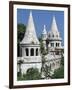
[(41, 18)]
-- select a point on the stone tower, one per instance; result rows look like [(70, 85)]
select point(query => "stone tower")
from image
[(54, 36), (30, 47), (44, 37)]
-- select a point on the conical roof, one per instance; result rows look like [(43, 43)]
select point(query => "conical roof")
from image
[(54, 33), (54, 27), (30, 34), (44, 30), (44, 33)]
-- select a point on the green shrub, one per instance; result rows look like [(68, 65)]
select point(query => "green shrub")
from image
[(59, 73), (31, 74)]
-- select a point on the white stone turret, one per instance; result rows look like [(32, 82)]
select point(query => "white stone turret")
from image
[(44, 33), (30, 47), (44, 36), (30, 34), (54, 35)]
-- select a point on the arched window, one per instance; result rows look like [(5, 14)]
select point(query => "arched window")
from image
[(52, 44), (56, 44), (37, 52), (53, 35), (32, 52), (27, 52)]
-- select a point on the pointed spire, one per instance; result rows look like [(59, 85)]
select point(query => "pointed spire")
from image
[(30, 34), (44, 30), (44, 33), (30, 25), (54, 25)]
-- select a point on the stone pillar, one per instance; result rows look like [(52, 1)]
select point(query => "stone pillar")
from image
[(29, 51), (23, 51), (34, 51)]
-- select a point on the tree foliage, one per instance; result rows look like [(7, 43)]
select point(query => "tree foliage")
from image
[(62, 61), (59, 73), (21, 28), (31, 74)]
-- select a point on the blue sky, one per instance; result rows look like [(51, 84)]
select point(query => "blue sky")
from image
[(41, 18)]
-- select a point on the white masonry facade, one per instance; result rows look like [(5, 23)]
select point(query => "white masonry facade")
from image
[(30, 47)]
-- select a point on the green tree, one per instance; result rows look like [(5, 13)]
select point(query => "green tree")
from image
[(62, 58), (59, 73), (33, 74), (62, 61), (21, 28)]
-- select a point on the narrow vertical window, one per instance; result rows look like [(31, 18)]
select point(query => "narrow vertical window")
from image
[(56, 44), (37, 52), (27, 52), (52, 44), (32, 52)]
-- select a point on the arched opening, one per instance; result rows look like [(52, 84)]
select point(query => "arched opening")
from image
[(32, 52), (56, 44), (53, 35), (52, 44), (27, 52), (37, 52)]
